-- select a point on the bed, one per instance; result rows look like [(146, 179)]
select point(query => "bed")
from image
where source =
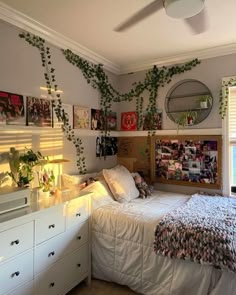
[(123, 251)]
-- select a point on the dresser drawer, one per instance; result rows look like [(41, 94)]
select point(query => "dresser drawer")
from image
[(16, 272), (26, 289), (77, 211), (49, 224), (76, 265), (51, 281), (16, 240), (49, 252), (76, 236)]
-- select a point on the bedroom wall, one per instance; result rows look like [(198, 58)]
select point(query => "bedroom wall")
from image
[(22, 73), (210, 72)]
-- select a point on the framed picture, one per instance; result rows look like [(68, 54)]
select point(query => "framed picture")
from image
[(128, 121), (39, 112), (153, 122), (80, 117), (97, 120), (68, 109), (187, 160), (106, 146), (111, 121), (12, 109)]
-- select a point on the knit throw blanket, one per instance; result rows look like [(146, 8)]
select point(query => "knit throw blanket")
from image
[(203, 231)]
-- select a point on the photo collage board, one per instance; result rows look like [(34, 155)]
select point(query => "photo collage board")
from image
[(188, 160)]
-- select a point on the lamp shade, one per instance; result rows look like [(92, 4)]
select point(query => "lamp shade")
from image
[(183, 8)]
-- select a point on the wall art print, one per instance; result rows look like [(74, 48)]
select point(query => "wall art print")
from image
[(152, 121), (188, 160), (97, 120), (111, 121), (80, 117), (11, 109), (68, 109), (128, 121), (39, 112), (106, 146)]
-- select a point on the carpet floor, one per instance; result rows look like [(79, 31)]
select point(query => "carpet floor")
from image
[(98, 287)]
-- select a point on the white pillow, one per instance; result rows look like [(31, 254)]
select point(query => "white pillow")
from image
[(71, 180), (101, 193), (121, 183)]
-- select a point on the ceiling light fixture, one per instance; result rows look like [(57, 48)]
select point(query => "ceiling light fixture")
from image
[(183, 8)]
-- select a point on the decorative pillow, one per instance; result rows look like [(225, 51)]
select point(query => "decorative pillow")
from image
[(142, 186), (76, 179), (121, 183), (101, 193)]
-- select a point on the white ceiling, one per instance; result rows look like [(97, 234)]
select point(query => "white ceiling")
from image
[(156, 39)]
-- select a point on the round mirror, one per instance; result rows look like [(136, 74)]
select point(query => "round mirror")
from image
[(188, 102)]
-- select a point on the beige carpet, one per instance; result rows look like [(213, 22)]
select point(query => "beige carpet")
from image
[(101, 288)]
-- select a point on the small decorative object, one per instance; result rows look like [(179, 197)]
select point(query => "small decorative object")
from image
[(38, 112), (47, 182), (22, 165), (80, 117), (204, 101), (128, 121), (97, 120)]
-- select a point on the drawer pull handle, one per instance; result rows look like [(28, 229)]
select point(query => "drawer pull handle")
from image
[(15, 242), (15, 274), (79, 237), (78, 264), (52, 285), (78, 214), (51, 253), (51, 226)]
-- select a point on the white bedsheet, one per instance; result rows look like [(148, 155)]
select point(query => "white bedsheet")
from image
[(122, 251)]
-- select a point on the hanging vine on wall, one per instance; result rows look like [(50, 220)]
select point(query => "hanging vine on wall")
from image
[(224, 96), (98, 79), (50, 79)]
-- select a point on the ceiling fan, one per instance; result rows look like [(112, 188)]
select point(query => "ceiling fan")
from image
[(191, 11)]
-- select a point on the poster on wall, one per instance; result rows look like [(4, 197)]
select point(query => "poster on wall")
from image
[(188, 160), (80, 117), (68, 112), (128, 121), (97, 120), (106, 146), (38, 112), (152, 122), (111, 120), (11, 109)]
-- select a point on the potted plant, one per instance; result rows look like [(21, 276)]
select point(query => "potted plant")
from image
[(187, 118), (22, 165), (205, 101)]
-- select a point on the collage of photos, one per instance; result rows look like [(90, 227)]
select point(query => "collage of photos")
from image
[(187, 160)]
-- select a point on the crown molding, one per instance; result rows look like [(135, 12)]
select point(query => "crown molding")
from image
[(181, 58), (24, 22)]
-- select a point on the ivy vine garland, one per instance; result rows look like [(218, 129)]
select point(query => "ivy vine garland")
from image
[(224, 96), (98, 79), (50, 79)]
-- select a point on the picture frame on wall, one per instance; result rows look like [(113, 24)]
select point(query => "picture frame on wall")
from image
[(80, 117), (39, 112), (187, 160), (97, 119), (129, 121), (12, 111), (68, 110), (111, 121)]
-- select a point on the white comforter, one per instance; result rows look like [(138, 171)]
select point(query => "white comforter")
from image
[(122, 251)]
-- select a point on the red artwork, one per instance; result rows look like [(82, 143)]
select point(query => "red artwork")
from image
[(128, 121)]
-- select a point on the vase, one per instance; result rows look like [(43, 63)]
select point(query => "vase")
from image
[(43, 194), (203, 104)]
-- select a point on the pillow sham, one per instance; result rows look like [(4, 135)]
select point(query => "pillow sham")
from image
[(142, 186), (101, 194), (121, 183)]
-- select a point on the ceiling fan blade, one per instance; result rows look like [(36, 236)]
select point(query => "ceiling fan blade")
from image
[(140, 15), (198, 23)]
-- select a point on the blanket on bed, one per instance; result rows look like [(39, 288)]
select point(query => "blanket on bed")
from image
[(203, 230)]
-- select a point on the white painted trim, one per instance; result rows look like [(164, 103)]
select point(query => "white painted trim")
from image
[(28, 24), (180, 58)]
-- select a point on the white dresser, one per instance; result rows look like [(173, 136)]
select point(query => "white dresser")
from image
[(45, 248)]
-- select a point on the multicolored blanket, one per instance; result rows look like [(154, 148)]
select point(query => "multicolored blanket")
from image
[(203, 230)]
